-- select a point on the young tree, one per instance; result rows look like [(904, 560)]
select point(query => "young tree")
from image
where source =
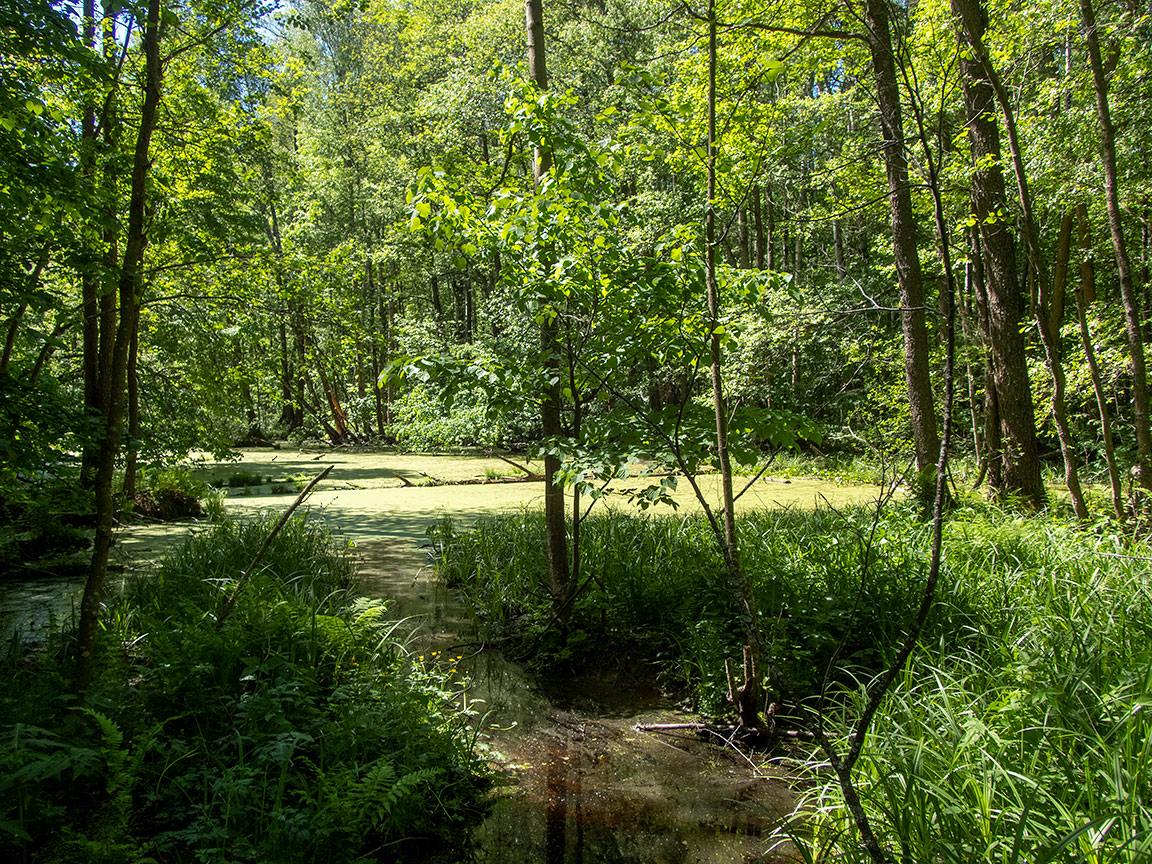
[(1132, 321), (555, 522)]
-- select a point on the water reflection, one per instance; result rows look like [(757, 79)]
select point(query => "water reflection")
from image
[(583, 785)]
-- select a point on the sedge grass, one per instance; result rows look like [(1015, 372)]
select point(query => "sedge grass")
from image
[(1020, 730)]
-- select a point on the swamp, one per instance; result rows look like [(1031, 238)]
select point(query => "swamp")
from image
[(630, 431)]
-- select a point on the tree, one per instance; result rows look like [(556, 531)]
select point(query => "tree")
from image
[(998, 251), (926, 443), (1132, 318), (124, 310)]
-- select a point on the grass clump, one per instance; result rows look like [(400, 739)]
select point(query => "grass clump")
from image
[(1021, 730), (1025, 735), (301, 731), (656, 582)]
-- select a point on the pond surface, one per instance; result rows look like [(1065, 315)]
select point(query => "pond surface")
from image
[(583, 783)]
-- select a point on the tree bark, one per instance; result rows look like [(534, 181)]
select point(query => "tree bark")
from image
[(1049, 294), (112, 384), (1132, 323), (917, 377), (1005, 309), (128, 491)]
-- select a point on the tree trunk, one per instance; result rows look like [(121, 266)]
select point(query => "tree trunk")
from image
[(128, 491), (917, 377), (1048, 295), (1084, 296), (555, 519), (1132, 322), (112, 384), (758, 227), (993, 452), (1005, 310), (729, 542), (90, 276), (742, 238), (838, 250), (374, 342)]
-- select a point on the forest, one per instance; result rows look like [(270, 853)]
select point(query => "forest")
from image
[(640, 257)]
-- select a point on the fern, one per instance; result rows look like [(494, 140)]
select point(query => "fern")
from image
[(379, 798)]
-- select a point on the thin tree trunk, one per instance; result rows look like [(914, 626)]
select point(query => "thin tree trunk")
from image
[(555, 520), (1140, 410), (758, 227), (90, 276), (838, 250), (1084, 296), (374, 332), (128, 491), (742, 237), (770, 233), (46, 351), (751, 698), (993, 453), (113, 383), (970, 339), (10, 339)]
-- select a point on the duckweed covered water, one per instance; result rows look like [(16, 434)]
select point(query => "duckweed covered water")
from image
[(582, 783)]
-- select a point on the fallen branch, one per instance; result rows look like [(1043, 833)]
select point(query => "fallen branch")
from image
[(531, 474), (717, 730), (226, 609)]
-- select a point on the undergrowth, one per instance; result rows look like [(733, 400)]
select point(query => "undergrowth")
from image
[(301, 731), (1020, 730)]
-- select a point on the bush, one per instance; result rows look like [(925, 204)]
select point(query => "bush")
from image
[(301, 731)]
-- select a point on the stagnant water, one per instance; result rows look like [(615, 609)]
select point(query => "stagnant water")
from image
[(583, 783)]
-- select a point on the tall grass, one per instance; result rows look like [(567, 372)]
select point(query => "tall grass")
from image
[(300, 731), (659, 580), (1026, 735), (1020, 730)]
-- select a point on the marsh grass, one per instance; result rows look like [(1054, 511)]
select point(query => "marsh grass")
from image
[(1020, 731), (301, 731), (658, 580)]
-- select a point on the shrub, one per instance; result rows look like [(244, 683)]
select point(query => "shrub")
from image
[(301, 731)]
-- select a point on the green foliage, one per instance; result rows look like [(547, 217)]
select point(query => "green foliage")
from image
[(424, 423), (41, 499), (1024, 736), (1020, 731), (300, 732)]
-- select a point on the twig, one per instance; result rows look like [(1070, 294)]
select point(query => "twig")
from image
[(226, 609), (532, 474)]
